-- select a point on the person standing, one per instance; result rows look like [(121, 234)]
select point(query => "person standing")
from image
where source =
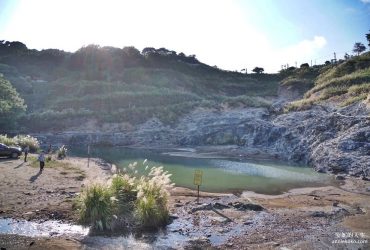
[(41, 159), (26, 151)]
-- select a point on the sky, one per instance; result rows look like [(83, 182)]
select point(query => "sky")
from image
[(231, 34)]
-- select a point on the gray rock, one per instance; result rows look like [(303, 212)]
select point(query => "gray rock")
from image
[(201, 207), (329, 140), (246, 206), (320, 214), (220, 206), (340, 177)]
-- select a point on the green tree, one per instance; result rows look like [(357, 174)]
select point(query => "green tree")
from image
[(304, 65), (11, 104), (368, 39), (359, 48), (258, 70)]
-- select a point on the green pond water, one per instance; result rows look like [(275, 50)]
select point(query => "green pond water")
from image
[(219, 174)]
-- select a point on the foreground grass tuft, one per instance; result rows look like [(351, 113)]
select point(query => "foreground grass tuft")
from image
[(133, 200), (96, 207)]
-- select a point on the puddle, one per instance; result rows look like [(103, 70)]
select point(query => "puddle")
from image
[(43, 229), (203, 225), (178, 234)]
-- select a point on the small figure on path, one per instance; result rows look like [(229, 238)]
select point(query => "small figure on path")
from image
[(26, 151), (41, 159)]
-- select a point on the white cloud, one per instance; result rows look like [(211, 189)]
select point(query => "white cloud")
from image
[(365, 1)]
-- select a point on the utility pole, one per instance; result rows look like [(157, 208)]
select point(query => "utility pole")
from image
[(335, 57)]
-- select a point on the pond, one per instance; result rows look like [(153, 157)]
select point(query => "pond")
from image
[(219, 174)]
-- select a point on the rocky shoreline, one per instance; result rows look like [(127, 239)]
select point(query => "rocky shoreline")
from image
[(329, 139), (305, 218)]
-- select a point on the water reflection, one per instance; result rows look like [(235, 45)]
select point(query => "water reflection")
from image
[(219, 175)]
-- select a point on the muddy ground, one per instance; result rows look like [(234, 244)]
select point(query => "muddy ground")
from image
[(307, 218)]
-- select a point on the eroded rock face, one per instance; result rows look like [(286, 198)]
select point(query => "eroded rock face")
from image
[(327, 139)]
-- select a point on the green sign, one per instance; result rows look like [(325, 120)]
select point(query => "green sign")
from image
[(198, 177)]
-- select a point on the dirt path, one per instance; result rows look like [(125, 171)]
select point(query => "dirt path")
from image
[(27, 193)]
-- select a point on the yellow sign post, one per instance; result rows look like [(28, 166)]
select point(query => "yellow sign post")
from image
[(198, 174)]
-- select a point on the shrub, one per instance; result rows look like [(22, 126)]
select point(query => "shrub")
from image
[(152, 197), (62, 152), (124, 193), (150, 212), (96, 207), (143, 200), (7, 140), (22, 141), (27, 140)]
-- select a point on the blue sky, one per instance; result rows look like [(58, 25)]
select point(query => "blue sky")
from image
[(230, 34)]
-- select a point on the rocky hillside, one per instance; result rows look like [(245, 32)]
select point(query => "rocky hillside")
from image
[(325, 134), (158, 98), (111, 85)]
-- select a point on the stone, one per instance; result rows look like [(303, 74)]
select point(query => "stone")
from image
[(53, 233), (173, 217), (246, 206), (248, 223), (201, 207), (319, 214), (220, 206), (340, 177)]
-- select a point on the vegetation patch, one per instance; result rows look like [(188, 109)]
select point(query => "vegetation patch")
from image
[(347, 80), (353, 99), (299, 105), (138, 201), (21, 141), (51, 162), (112, 85)]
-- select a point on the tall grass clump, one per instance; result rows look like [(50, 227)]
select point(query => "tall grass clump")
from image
[(4, 139), (22, 141), (27, 140), (96, 207), (62, 152), (130, 200), (124, 194), (152, 198)]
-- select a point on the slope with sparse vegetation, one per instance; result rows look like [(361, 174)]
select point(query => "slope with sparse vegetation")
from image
[(122, 85), (341, 84)]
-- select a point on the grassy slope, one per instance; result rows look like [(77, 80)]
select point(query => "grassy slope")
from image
[(63, 89), (343, 84)]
